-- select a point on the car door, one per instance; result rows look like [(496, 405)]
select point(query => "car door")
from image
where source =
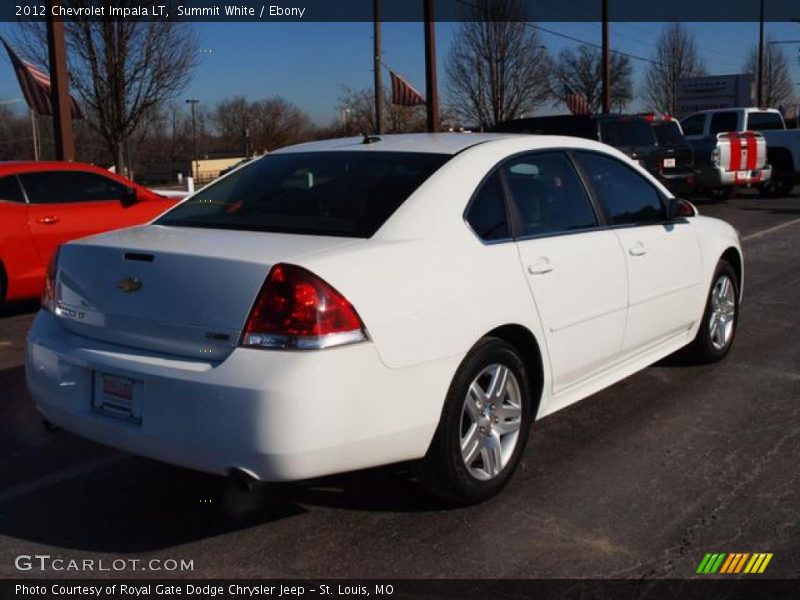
[(66, 205), (575, 269), (663, 258)]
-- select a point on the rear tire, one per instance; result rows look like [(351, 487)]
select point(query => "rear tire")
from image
[(719, 194), (781, 182), (484, 426), (720, 318)]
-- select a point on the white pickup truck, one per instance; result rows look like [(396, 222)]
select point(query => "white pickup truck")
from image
[(783, 145)]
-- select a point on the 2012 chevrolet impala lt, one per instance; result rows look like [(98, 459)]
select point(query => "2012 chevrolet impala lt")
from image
[(351, 303)]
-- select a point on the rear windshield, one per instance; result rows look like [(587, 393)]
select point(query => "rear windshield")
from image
[(764, 121), (668, 133), (347, 194), (623, 132)]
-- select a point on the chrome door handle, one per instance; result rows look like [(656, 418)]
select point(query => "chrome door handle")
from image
[(638, 249), (48, 220), (540, 267)]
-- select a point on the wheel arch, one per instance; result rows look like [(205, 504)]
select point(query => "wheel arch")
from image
[(734, 257), (525, 342)]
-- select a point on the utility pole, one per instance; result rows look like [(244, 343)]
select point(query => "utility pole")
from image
[(430, 68), (606, 60), (59, 85), (192, 102), (377, 67), (760, 73)]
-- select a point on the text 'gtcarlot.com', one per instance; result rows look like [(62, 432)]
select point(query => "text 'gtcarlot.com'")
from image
[(45, 562)]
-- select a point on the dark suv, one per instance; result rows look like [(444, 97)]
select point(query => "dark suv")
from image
[(657, 144)]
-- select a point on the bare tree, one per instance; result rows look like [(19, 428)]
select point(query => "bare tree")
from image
[(497, 67), (357, 114), (580, 70), (121, 69), (674, 57), (270, 123), (776, 79)]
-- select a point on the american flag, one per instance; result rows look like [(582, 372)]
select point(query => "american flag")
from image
[(36, 86), (403, 93), (576, 103)]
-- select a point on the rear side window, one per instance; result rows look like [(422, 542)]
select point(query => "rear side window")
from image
[(764, 121), (724, 122), (629, 199), (623, 132), (693, 125), (54, 187), (345, 193), (548, 194), (487, 212), (10, 190)]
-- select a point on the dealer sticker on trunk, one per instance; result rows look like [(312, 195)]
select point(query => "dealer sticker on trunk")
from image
[(118, 397)]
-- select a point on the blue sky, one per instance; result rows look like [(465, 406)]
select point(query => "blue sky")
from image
[(309, 63)]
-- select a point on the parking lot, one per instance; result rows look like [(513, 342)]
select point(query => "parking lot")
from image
[(638, 481)]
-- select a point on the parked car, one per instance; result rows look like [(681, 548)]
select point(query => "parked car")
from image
[(782, 145), (670, 162), (727, 156), (345, 304), (677, 162), (44, 204)]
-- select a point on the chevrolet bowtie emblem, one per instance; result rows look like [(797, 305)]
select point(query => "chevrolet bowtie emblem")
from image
[(129, 285)]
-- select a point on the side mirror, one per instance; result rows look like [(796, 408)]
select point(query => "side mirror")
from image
[(129, 197), (680, 209)]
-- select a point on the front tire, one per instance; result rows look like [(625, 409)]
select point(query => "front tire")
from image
[(720, 318), (484, 426)]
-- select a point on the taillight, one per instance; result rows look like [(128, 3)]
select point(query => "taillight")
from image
[(296, 309), (49, 293), (715, 156)]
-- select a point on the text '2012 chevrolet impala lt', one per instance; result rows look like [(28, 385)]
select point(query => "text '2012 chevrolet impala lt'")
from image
[(352, 303)]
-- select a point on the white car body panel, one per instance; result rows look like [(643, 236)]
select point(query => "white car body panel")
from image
[(426, 288)]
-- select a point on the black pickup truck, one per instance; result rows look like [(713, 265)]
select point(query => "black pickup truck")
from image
[(657, 145)]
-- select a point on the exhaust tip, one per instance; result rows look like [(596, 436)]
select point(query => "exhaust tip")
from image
[(50, 427), (242, 480)]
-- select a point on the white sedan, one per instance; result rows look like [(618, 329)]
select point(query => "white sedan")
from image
[(358, 302)]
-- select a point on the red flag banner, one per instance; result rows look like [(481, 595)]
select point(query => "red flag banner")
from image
[(576, 103), (403, 93), (35, 86)]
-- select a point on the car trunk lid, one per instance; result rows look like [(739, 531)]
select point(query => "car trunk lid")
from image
[(175, 290)]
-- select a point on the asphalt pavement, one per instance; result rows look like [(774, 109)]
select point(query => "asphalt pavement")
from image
[(638, 481)]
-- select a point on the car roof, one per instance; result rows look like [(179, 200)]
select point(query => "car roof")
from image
[(27, 166), (434, 143)]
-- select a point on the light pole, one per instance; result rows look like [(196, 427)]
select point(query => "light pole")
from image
[(192, 102)]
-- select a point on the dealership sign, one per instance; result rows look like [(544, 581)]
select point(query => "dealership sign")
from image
[(720, 91)]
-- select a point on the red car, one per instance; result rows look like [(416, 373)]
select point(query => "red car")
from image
[(44, 204)]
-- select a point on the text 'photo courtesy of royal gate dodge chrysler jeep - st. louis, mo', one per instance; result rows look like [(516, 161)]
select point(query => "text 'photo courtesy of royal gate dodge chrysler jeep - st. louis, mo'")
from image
[(345, 304)]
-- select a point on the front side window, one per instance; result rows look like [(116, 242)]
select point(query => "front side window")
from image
[(54, 187), (347, 193), (724, 122), (628, 198), (548, 194), (487, 212), (9, 190)]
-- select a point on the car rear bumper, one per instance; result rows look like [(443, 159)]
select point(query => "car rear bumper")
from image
[(713, 178), (678, 183), (273, 414)]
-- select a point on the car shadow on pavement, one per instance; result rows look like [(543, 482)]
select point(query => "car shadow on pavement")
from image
[(133, 505), (136, 505), (13, 309)]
